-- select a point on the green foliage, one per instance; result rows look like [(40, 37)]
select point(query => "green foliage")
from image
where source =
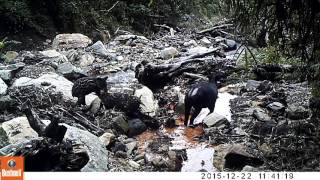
[(267, 55), (208, 8), (3, 138)]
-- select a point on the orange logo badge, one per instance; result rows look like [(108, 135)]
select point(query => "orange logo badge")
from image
[(12, 168)]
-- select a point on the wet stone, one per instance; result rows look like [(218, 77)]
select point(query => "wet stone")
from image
[(252, 85), (136, 127), (297, 112), (276, 106), (261, 115)]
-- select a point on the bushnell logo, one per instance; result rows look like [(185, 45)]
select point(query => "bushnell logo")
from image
[(12, 168)]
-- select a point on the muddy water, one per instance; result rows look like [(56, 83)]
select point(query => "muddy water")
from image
[(200, 155)]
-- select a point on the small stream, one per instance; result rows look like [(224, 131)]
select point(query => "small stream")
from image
[(199, 155)]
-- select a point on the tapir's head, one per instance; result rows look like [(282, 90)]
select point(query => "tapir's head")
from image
[(102, 82), (216, 77)]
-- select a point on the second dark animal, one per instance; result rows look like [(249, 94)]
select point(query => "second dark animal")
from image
[(202, 95), (87, 85)]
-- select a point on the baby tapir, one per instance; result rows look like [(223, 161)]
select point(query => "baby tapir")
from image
[(87, 85), (202, 95)]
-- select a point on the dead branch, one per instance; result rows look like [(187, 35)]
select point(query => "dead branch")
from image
[(214, 28)]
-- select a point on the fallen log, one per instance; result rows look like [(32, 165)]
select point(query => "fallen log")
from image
[(156, 76), (53, 130)]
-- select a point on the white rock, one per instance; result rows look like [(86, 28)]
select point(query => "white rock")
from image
[(98, 154), (134, 164), (71, 41), (205, 41), (3, 87), (86, 60), (59, 83), (168, 53), (106, 138), (190, 43), (18, 130), (198, 49), (149, 105)]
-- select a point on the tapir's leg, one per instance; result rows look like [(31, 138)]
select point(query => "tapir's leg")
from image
[(82, 100), (194, 115), (187, 110), (211, 108)]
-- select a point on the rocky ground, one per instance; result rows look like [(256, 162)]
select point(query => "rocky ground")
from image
[(269, 127)]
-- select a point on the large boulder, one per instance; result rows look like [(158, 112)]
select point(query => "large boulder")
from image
[(46, 81), (71, 41), (149, 105), (18, 130), (98, 154)]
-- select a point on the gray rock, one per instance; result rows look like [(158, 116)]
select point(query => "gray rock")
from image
[(276, 106), (169, 52), (139, 157), (265, 86), (70, 41), (230, 45), (98, 154), (261, 115), (52, 80), (134, 164), (3, 88), (136, 127), (149, 105), (35, 71), (6, 102), (248, 168), (127, 37), (234, 157), (295, 112), (53, 57), (107, 138), (95, 104), (252, 85), (69, 71), (18, 130), (205, 42), (130, 147), (11, 55), (8, 72), (216, 120), (120, 124), (99, 49)]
